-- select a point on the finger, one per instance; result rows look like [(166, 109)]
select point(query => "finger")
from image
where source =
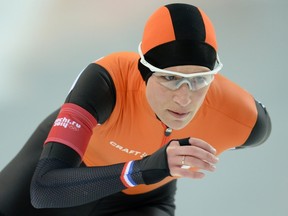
[(202, 144), (174, 150), (185, 162), (195, 162), (197, 152), (193, 141), (188, 174)]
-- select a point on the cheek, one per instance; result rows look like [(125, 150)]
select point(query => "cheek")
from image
[(201, 94), (197, 98), (157, 95)]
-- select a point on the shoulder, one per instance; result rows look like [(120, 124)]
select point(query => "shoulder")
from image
[(123, 68), (118, 60), (231, 100), (240, 106)]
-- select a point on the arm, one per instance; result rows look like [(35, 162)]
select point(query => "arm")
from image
[(59, 180), (261, 130), (91, 100)]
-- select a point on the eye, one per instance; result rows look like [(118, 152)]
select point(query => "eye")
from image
[(199, 79), (169, 78)]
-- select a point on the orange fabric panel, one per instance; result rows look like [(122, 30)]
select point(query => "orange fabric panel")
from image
[(158, 30)]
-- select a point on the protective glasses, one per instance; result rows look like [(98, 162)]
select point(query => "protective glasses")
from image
[(173, 80)]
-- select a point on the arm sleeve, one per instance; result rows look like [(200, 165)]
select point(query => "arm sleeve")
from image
[(262, 128), (60, 182)]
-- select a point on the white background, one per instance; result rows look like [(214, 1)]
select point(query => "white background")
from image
[(45, 44)]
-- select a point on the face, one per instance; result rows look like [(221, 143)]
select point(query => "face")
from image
[(176, 108)]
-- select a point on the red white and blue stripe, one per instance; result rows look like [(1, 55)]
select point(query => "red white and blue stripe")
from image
[(126, 175)]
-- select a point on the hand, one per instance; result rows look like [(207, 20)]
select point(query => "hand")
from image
[(190, 152)]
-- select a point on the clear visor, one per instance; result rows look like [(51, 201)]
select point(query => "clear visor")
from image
[(173, 80)]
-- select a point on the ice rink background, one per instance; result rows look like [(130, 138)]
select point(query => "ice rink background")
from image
[(45, 44)]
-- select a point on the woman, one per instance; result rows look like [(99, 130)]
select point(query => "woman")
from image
[(134, 123)]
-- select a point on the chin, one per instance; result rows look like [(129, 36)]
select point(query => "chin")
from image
[(176, 125)]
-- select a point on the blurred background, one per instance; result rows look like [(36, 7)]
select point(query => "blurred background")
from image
[(45, 44)]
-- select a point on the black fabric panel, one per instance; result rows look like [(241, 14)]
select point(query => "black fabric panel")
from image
[(61, 152), (59, 182), (158, 202), (182, 52), (95, 92), (16, 177), (144, 71), (178, 53), (155, 167), (184, 142), (182, 15), (56, 184), (262, 128)]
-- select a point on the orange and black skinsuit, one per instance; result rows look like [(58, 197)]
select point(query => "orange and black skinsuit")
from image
[(129, 130), (106, 151)]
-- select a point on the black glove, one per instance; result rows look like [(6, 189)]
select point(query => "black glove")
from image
[(155, 167)]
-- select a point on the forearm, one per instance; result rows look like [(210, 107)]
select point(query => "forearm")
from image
[(59, 182), (56, 185)]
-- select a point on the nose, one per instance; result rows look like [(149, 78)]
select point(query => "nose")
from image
[(182, 95)]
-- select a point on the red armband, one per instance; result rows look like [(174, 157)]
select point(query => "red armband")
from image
[(72, 127)]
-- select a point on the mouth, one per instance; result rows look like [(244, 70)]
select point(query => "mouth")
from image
[(179, 115)]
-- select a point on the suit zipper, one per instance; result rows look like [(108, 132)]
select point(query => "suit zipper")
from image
[(167, 133)]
